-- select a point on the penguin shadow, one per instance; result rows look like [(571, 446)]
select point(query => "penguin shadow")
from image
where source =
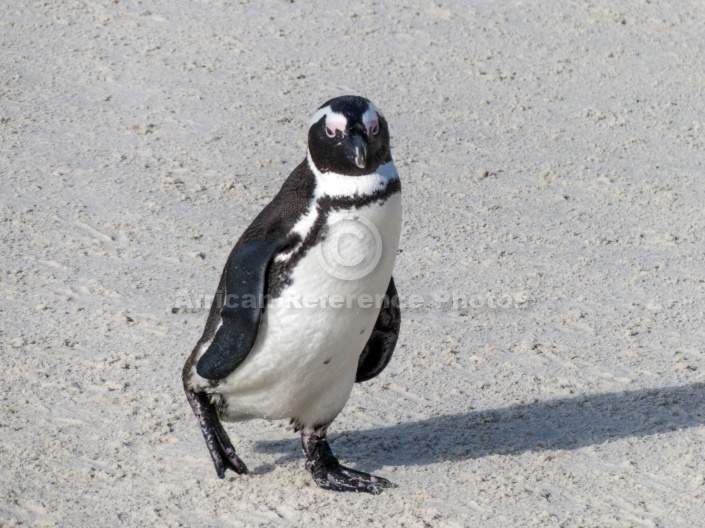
[(289, 451), (559, 424)]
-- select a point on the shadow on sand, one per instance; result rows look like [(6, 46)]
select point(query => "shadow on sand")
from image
[(567, 423)]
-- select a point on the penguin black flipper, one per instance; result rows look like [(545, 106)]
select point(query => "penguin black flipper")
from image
[(245, 278), (380, 346)]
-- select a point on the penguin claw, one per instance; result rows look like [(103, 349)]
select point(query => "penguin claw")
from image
[(227, 459)]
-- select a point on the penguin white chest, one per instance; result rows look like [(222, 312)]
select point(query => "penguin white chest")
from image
[(304, 361)]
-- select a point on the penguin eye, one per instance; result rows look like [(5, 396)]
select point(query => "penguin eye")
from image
[(330, 132), (374, 128)]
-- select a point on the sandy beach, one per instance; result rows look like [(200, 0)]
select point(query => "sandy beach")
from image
[(551, 366)]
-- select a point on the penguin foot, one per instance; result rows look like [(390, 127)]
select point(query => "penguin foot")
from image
[(219, 445), (328, 473), (341, 478)]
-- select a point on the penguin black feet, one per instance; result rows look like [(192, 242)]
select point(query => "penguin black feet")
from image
[(221, 449), (328, 473)]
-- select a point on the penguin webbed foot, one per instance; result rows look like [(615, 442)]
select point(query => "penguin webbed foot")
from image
[(329, 474), (217, 440), (341, 478)]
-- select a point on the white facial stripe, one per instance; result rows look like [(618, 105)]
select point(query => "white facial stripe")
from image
[(318, 115), (334, 120), (370, 116)]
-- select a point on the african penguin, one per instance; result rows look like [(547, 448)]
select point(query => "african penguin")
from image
[(306, 304)]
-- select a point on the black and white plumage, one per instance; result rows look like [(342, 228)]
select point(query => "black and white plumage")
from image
[(307, 303)]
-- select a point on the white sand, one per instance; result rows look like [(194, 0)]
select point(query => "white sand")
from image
[(552, 161)]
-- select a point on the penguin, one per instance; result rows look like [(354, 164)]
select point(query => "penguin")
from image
[(306, 304)]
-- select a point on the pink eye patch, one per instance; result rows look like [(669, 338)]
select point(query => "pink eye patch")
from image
[(334, 123), (371, 120)]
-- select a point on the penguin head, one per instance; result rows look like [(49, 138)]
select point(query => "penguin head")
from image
[(349, 136)]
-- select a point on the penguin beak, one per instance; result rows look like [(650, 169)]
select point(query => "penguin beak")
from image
[(359, 150)]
